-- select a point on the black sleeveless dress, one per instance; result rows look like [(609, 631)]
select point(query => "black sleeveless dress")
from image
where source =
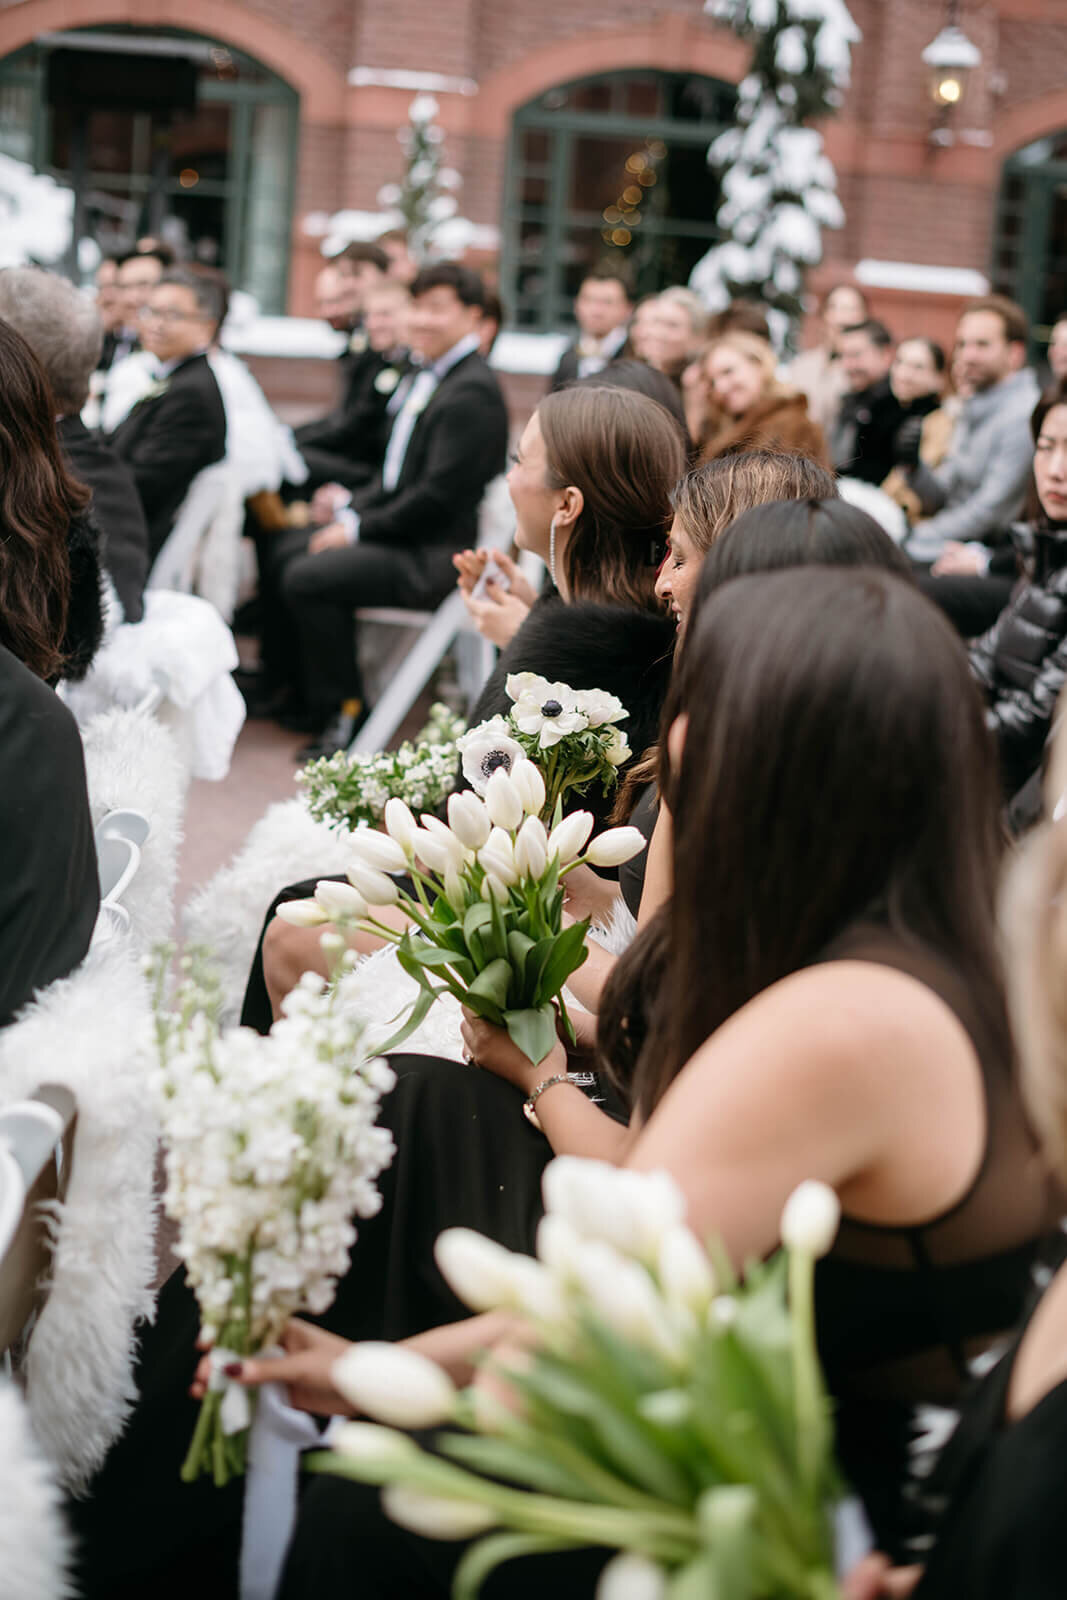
[(1002, 1535)]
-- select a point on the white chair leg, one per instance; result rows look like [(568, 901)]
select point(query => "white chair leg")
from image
[(412, 678)]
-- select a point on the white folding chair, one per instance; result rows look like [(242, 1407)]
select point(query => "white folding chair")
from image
[(119, 838), (35, 1143), (201, 552)]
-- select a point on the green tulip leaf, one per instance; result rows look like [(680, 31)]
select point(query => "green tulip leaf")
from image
[(493, 983), (488, 1554), (566, 957), (478, 916), (416, 1015), (532, 1032)]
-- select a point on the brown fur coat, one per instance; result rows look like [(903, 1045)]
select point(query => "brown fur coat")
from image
[(777, 422)]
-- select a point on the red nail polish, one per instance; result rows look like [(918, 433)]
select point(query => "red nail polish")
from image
[(233, 1369)]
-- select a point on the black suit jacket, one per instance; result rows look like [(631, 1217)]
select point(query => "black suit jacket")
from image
[(347, 446), (168, 438), (117, 511), (457, 445)]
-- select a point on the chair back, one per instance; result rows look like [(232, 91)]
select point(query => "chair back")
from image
[(36, 1145)]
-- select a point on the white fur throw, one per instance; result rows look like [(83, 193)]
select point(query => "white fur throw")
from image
[(90, 1032), (34, 1544), (132, 762), (285, 846)]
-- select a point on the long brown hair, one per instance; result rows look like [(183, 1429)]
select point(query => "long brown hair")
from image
[(38, 498), (625, 453), (836, 766)]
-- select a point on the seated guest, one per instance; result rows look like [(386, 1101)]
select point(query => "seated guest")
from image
[(863, 443), (51, 600), (602, 311), (179, 427), (673, 327), (63, 330), (969, 501), (1021, 663), (349, 446), (393, 545), (341, 291), (740, 316), (127, 377), (819, 373), (1057, 348), (402, 264), (109, 304), (750, 408), (918, 379), (49, 884)]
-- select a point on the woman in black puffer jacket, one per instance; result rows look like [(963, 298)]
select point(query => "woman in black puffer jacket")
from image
[(1021, 663)]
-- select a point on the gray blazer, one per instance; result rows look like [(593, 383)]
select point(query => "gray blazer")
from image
[(979, 488)]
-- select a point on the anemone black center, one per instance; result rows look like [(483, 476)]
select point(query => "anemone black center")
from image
[(495, 759), (551, 708)]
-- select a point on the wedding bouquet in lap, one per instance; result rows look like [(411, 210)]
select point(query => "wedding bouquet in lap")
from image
[(270, 1149), (653, 1404), (483, 894)]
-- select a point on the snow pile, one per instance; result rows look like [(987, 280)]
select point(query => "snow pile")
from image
[(36, 216), (779, 189)]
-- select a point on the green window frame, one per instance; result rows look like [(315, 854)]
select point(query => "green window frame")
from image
[(254, 257), (1030, 234), (685, 112)]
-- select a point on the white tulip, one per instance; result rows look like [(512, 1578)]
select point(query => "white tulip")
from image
[(810, 1218), (531, 848), (468, 819), (611, 849), (567, 839), (559, 1244), (396, 1385), (500, 844), (400, 825), (630, 1210), (503, 801), (475, 1268), (441, 831), (537, 1292), (685, 1273), (302, 913), (501, 866), (455, 891), (493, 888), (376, 887), (374, 849), (369, 1441), (622, 1294), (434, 856), (340, 900), (435, 1516), (631, 1577), (526, 777)]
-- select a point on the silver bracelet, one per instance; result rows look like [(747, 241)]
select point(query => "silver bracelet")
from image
[(531, 1100)]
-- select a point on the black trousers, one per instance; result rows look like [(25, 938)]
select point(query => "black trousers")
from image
[(972, 605)]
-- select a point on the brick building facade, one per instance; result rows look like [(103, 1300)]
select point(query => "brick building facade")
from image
[(981, 189)]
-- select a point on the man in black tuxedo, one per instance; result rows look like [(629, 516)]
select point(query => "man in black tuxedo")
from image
[(179, 427), (62, 327), (602, 311), (392, 544), (341, 290)]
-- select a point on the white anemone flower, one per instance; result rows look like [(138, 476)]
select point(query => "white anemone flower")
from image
[(549, 712), (486, 749), (600, 707)]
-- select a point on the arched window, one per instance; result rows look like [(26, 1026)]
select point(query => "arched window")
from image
[(1030, 252), (610, 167), (161, 132)]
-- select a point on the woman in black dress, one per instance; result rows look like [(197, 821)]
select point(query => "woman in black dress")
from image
[(822, 997)]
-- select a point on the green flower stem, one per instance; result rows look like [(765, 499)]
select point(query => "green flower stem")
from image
[(805, 1368), (205, 1426)]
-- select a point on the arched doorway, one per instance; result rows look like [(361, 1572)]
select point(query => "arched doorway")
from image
[(161, 132), (613, 166), (1030, 248)]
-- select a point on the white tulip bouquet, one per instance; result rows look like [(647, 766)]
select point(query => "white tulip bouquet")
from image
[(667, 1410), (270, 1149), (346, 790), (486, 908), (570, 734)]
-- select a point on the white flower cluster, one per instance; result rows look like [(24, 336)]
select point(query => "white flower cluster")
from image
[(346, 790), (271, 1148)]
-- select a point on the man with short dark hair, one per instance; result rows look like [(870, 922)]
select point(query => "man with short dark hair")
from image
[(862, 438), (179, 426), (342, 287), (392, 544), (602, 311)]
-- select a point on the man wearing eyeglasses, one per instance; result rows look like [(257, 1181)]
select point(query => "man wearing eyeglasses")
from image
[(179, 426)]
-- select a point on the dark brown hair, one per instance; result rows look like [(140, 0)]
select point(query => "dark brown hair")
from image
[(1015, 322), (625, 453), (709, 498), (836, 767), (38, 498), (1054, 395)]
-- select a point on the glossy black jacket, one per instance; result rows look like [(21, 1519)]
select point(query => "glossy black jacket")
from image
[(1021, 663)]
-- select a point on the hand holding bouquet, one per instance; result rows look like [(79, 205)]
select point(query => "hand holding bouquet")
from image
[(487, 905), (270, 1149), (667, 1410)]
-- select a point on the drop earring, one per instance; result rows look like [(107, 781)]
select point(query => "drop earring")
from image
[(552, 550)]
